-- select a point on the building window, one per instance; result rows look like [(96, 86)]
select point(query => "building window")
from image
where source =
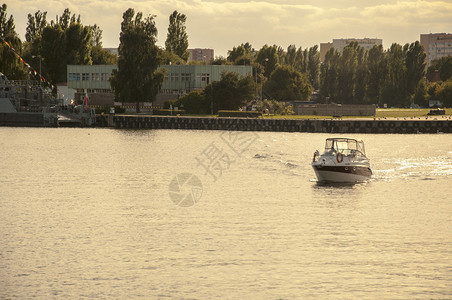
[(203, 76), (85, 76), (95, 76), (74, 77), (186, 77), (174, 77), (104, 77)]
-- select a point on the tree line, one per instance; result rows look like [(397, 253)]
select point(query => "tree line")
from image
[(395, 76)]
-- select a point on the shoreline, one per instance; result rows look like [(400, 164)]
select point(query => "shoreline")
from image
[(430, 124)]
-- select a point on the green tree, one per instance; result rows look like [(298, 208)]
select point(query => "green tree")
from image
[(420, 94), (66, 41), (242, 54), (443, 65), (347, 68), (287, 84), (444, 93), (329, 75), (394, 91), (361, 77), (291, 56), (177, 38), (231, 92), (377, 72), (35, 26), (314, 66), (9, 62), (78, 44), (415, 66), (221, 60), (52, 52), (99, 55), (137, 79), (267, 56)]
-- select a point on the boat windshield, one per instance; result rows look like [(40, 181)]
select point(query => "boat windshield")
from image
[(344, 146)]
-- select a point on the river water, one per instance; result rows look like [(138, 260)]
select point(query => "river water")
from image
[(102, 213)]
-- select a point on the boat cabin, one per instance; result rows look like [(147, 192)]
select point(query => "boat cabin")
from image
[(345, 146)]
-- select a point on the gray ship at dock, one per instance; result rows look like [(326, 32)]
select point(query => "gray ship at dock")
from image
[(25, 103)]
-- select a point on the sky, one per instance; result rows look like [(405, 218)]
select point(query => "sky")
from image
[(224, 24)]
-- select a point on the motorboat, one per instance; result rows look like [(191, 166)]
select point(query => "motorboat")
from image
[(343, 161)]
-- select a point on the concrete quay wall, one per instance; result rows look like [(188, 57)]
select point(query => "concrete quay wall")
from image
[(283, 125)]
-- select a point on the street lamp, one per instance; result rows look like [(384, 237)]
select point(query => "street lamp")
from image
[(211, 87), (40, 64)]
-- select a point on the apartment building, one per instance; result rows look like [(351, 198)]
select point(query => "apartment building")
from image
[(340, 44), (436, 45), (199, 54)]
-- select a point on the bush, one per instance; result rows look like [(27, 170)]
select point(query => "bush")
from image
[(194, 103), (239, 114), (274, 107), (168, 112)]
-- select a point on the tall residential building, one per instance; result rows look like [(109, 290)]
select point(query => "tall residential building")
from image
[(199, 54), (340, 44), (436, 45), (324, 48)]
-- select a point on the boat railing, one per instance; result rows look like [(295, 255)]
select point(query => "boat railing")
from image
[(344, 152)]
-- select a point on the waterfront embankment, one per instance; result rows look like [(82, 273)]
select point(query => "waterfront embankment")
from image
[(358, 125)]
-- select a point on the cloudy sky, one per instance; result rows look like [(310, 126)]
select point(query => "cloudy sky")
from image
[(223, 24)]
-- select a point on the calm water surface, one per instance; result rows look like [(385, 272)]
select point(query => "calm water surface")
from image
[(99, 213)]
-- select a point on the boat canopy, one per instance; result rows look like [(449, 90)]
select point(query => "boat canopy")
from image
[(344, 145)]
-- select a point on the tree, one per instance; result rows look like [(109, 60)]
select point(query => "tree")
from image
[(9, 62), (314, 66), (443, 65), (240, 53), (395, 88), (78, 44), (291, 56), (268, 57), (377, 70), (35, 26), (66, 41), (96, 36), (99, 55), (415, 66), (231, 92), (421, 92), (329, 75), (361, 77), (52, 51), (220, 60), (347, 73), (137, 79), (287, 84), (444, 93), (177, 38)]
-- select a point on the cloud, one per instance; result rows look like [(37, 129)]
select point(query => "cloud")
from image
[(409, 11), (223, 24)]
